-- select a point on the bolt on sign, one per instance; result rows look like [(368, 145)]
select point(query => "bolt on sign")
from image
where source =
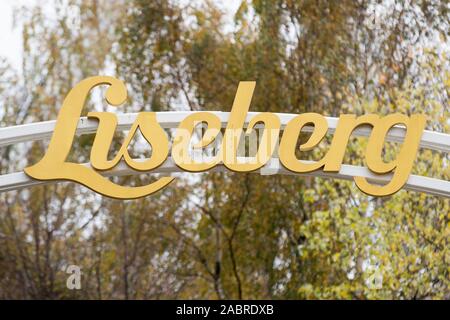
[(276, 139)]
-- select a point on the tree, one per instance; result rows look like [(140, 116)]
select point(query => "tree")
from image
[(226, 235)]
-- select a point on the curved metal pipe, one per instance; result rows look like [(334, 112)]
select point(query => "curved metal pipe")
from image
[(43, 130)]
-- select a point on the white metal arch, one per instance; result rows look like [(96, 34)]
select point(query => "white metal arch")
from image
[(43, 130)]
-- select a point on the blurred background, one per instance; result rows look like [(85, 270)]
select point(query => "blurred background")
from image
[(227, 235)]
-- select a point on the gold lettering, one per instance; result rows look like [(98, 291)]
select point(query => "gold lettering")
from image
[(151, 131), (183, 135), (234, 130), (290, 137), (53, 166), (401, 166), (403, 163)]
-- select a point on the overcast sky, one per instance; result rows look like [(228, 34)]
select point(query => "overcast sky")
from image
[(10, 39)]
